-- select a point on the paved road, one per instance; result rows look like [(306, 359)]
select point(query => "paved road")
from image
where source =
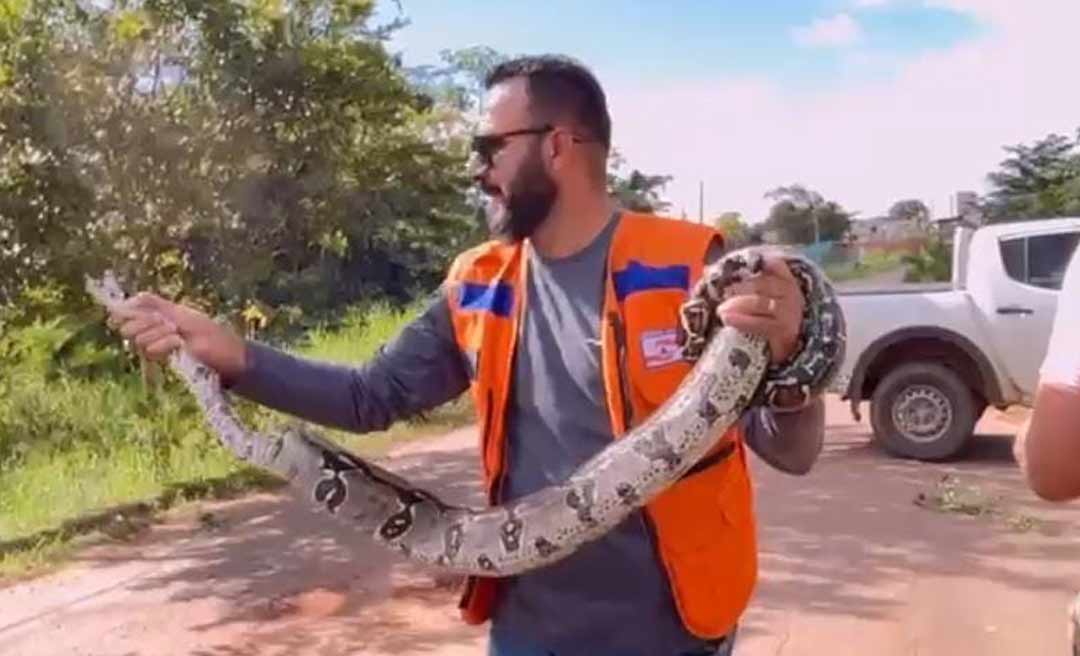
[(850, 565)]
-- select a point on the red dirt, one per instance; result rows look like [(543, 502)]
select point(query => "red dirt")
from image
[(850, 564)]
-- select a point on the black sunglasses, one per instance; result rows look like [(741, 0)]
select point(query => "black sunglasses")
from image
[(486, 145)]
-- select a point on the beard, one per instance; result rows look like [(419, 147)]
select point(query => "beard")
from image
[(528, 202)]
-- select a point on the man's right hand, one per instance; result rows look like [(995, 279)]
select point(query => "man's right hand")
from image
[(157, 327)]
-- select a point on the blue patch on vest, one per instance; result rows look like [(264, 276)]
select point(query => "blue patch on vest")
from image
[(497, 297), (638, 277)]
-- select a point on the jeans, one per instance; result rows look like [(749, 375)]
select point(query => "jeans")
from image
[(504, 646)]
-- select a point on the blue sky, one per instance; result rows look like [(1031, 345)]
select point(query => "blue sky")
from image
[(643, 40), (866, 101)]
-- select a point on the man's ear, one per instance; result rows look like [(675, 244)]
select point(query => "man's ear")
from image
[(555, 148)]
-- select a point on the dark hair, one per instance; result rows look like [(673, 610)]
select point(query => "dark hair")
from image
[(560, 86)]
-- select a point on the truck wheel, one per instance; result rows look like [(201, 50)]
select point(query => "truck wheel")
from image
[(980, 405), (922, 410)]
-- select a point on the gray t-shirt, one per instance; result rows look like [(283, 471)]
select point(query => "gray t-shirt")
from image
[(611, 596)]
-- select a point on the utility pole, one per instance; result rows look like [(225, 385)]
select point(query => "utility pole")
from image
[(701, 202)]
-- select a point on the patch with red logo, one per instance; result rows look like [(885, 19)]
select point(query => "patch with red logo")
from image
[(660, 348)]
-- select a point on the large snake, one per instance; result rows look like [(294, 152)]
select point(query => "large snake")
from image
[(731, 373)]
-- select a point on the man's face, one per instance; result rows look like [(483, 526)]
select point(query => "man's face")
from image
[(508, 163)]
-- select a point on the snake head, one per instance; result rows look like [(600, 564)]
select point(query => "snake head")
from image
[(697, 315)]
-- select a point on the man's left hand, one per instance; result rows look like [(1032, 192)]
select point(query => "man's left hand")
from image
[(769, 305)]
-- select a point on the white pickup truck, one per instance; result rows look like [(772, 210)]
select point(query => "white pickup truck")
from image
[(931, 358)]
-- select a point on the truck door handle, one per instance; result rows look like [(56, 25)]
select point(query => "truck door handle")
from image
[(1015, 309)]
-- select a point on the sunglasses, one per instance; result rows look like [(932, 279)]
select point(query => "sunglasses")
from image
[(487, 145)]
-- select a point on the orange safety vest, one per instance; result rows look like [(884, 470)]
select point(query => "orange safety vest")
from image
[(703, 525)]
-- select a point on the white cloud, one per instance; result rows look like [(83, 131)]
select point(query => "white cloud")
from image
[(836, 31), (935, 127), (870, 4)]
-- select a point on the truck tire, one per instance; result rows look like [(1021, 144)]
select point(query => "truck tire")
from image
[(980, 405), (924, 411)]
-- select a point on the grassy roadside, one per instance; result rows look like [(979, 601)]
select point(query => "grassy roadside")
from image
[(873, 264), (55, 498)]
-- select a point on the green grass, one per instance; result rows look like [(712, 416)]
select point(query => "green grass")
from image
[(47, 504), (47, 490), (72, 448), (361, 334), (875, 262), (949, 496)]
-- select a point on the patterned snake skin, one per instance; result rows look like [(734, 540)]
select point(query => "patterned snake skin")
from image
[(731, 372)]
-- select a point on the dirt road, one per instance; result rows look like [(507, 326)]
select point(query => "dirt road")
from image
[(850, 565)]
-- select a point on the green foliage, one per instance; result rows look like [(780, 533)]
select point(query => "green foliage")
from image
[(1041, 180), (49, 488), (222, 151), (458, 84), (43, 399), (803, 216), (931, 263), (360, 332), (71, 443), (735, 230), (43, 405), (911, 209), (873, 263), (636, 191)]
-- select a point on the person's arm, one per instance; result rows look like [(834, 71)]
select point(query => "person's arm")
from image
[(418, 370), (1048, 445), (789, 441)]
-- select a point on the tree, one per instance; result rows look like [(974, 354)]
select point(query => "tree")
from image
[(913, 210), (459, 81), (730, 224), (226, 151), (1041, 180), (803, 216), (636, 191)]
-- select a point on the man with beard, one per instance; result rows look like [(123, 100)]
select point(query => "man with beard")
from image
[(564, 327)]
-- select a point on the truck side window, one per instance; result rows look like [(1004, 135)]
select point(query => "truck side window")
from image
[(1039, 260), (1048, 257), (1014, 256)]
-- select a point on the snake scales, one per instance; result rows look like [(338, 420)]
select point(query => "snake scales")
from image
[(731, 373)]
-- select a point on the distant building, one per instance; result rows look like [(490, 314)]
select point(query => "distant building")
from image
[(881, 229)]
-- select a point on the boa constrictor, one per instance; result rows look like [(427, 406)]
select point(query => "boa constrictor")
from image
[(731, 372)]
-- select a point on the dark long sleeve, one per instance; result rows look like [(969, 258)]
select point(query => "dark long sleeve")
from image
[(418, 370)]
